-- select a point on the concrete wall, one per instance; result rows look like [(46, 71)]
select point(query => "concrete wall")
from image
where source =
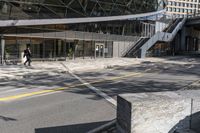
[(119, 47), (160, 26), (195, 118), (156, 113)]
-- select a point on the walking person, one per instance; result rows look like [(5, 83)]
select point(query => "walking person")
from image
[(27, 54)]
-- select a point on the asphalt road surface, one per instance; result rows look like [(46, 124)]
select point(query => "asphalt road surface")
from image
[(78, 102)]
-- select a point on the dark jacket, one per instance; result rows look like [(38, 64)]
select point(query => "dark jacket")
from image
[(27, 53)]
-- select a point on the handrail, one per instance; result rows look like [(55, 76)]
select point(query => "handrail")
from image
[(134, 47), (170, 29), (76, 35), (161, 36), (125, 51)]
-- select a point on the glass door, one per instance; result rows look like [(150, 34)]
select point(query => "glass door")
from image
[(99, 50)]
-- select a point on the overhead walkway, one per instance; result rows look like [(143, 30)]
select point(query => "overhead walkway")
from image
[(140, 48), (8, 23)]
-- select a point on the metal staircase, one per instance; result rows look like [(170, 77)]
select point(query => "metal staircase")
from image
[(140, 48), (163, 36), (134, 50)]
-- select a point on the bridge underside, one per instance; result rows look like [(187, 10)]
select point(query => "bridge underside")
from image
[(195, 21)]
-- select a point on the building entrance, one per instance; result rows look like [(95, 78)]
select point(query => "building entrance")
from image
[(99, 50)]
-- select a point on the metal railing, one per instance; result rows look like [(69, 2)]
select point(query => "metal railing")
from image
[(162, 36), (76, 35)]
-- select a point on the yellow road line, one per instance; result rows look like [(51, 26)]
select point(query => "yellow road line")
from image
[(15, 97)]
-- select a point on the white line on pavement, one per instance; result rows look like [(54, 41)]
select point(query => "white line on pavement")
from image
[(12, 90), (100, 93)]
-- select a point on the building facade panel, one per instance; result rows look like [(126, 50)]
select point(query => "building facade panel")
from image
[(78, 40), (183, 8)]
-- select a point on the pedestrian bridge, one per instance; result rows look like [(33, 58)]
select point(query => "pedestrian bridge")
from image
[(8, 23)]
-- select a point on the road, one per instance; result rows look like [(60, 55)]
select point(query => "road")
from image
[(78, 102)]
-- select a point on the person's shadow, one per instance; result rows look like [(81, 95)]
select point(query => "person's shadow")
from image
[(189, 123)]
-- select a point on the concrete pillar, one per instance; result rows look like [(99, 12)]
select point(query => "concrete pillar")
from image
[(145, 30), (142, 52), (59, 47), (123, 29), (183, 39), (54, 49), (44, 50), (149, 30), (2, 50), (64, 49)]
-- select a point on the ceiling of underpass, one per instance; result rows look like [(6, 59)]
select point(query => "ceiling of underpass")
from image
[(194, 23), (196, 27)]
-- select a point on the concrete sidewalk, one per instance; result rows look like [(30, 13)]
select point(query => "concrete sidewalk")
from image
[(82, 65), (53, 68)]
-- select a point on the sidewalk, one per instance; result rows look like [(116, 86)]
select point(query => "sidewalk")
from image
[(53, 68), (82, 65)]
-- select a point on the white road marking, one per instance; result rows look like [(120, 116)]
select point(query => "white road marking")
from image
[(100, 93), (12, 90)]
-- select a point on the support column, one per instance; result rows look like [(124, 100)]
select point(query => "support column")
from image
[(83, 49), (64, 49), (59, 43), (142, 53), (54, 49), (65, 45), (148, 30), (43, 46), (2, 50), (183, 39), (75, 47)]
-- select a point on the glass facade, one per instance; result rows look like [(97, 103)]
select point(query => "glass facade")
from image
[(85, 40), (40, 9)]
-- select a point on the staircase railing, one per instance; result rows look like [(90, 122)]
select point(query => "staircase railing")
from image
[(126, 50), (145, 44), (162, 36), (134, 49)]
